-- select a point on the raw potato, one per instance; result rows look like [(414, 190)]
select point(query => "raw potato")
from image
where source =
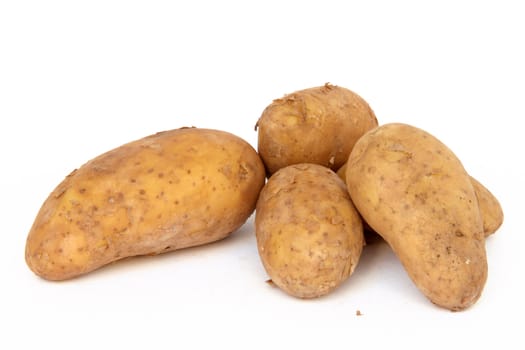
[(371, 236), (309, 234), (167, 191), (414, 192), (318, 125), (491, 211)]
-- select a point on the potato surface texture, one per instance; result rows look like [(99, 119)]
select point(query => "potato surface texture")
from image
[(309, 234), (175, 189), (414, 192), (318, 125), (489, 206)]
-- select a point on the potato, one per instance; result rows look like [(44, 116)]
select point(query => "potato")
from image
[(370, 235), (167, 191), (309, 234), (490, 209), (318, 125), (413, 191)]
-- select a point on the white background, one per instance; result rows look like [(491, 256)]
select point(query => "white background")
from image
[(78, 78)]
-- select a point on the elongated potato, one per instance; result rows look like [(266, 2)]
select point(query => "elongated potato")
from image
[(319, 125), (489, 206), (167, 191), (309, 234), (413, 191)]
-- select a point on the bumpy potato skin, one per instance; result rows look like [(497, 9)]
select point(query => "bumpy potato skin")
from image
[(414, 192), (489, 206), (317, 125), (168, 191), (309, 234)]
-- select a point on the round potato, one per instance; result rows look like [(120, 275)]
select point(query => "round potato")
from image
[(175, 189), (414, 192), (319, 125), (309, 234)]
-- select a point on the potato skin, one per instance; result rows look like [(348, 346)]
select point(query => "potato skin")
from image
[(309, 234), (413, 191), (175, 189), (318, 125), (489, 206)]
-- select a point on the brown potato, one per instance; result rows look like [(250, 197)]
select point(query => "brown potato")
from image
[(489, 206), (167, 191), (414, 192), (370, 235), (309, 234), (318, 125), (491, 211)]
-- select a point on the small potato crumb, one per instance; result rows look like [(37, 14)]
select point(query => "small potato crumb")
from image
[(358, 313)]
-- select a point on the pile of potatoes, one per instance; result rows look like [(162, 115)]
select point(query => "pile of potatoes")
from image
[(325, 174)]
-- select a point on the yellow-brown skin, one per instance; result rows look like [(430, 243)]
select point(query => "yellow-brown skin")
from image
[(414, 192), (175, 189), (491, 211), (370, 235), (318, 125), (309, 234), (489, 206)]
